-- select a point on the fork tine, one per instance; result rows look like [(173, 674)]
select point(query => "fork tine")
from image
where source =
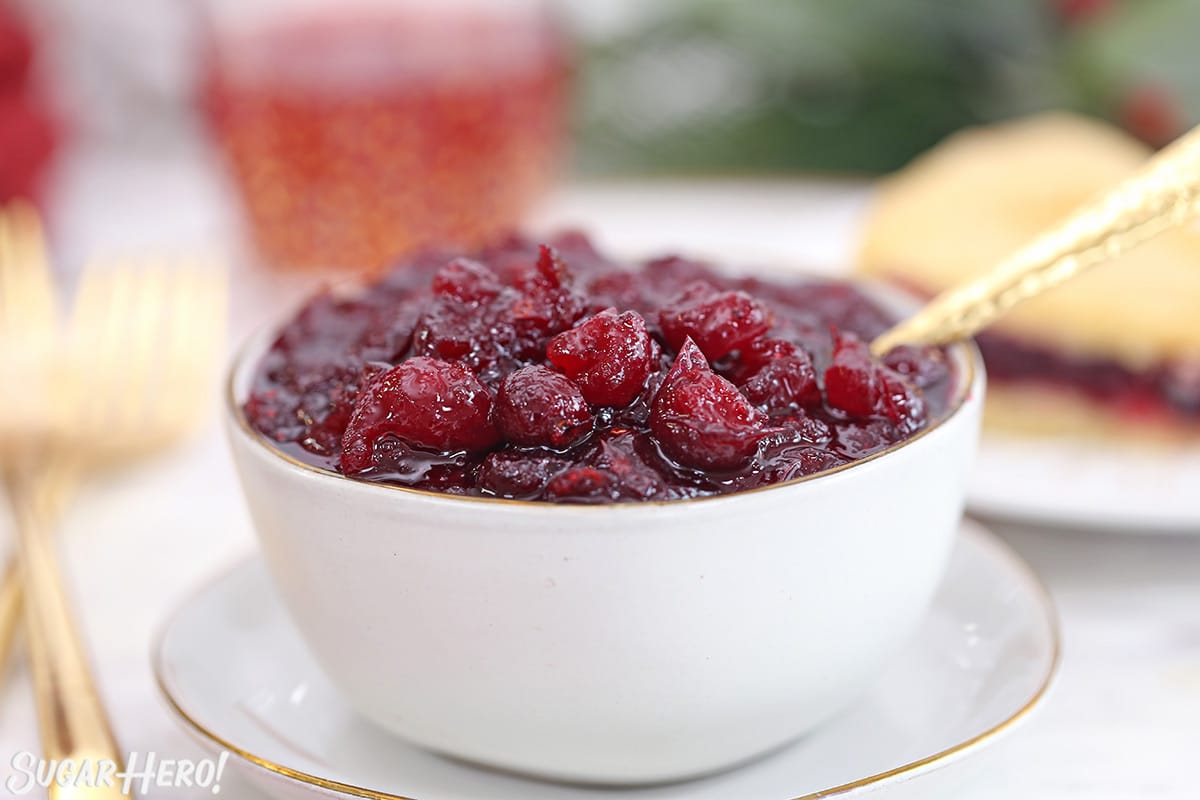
[(26, 289), (149, 300), (29, 246), (144, 335), (115, 340), (6, 265), (171, 396), (28, 325), (9, 329), (10, 288), (97, 315), (196, 334)]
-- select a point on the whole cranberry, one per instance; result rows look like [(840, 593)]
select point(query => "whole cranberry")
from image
[(538, 407), (718, 322), (700, 419), (431, 404), (862, 387), (609, 356)]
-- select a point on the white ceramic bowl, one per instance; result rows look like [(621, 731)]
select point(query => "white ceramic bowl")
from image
[(629, 643)]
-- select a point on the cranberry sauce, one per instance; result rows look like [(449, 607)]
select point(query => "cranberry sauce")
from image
[(549, 372)]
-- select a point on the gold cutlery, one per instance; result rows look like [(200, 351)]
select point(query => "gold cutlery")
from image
[(1164, 194), (131, 375), (28, 327)]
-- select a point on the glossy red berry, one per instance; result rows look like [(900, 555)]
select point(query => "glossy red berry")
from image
[(718, 322), (609, 356), (427, 403), (700, 419), (538, 407)]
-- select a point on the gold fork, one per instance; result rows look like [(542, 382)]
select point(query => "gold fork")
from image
[(28, 330), (134, 374)]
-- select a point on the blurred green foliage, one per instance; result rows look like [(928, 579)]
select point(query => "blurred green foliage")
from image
[(714, 86)]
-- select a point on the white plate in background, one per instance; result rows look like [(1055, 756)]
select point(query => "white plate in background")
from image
[(1094, 485)]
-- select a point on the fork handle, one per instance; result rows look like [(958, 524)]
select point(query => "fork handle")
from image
[(71, 716), (10, 608), (10, 583)]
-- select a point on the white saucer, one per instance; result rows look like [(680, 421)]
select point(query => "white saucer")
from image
[(238, 678), (1087, 484)]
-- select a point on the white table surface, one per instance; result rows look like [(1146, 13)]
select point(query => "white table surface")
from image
[(1124, 721)]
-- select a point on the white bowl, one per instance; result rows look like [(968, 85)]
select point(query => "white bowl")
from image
[(629, 643)]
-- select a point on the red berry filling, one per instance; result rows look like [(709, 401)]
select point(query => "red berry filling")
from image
[(552, 373)]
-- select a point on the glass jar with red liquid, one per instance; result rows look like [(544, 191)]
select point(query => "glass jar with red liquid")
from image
[(359, 131)]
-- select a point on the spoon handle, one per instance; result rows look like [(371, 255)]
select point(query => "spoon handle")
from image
[(1163, 194)]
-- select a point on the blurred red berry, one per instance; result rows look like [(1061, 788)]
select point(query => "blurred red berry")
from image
[(27, 135), (1076, 11), (1150, 113), (16, 49)]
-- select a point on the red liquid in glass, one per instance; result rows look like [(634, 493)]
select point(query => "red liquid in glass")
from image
[(356, 139)]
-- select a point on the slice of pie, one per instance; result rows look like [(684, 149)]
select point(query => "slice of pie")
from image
[(1114, 350)]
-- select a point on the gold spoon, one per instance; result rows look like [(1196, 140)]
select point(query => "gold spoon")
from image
[(1163, 194)]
